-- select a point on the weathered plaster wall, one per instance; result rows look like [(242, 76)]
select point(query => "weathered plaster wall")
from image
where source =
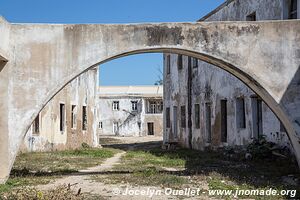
[(238, 10), (211, 84), (127, 122), (4, 40), (80, 92), (127, 119)]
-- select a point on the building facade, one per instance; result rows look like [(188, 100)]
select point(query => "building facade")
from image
[(206, 106), (69, 119), (130, 110)]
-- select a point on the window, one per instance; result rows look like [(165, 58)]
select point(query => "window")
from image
[(168, 64), (116, 105), (155, 106), (152, 107), (183, 118), (240, 113), (134, 105), (251, 17), (36, 125), (179, 62), (293, 9), (208, 122), (73, 116), (62, 117), (197, 116), (195, 62), (100, 125), (84, 118), (168, 122), (224, 120)]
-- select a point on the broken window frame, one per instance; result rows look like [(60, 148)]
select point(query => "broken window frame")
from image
[(100, 125)]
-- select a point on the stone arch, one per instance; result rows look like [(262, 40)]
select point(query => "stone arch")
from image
[(51, 56)]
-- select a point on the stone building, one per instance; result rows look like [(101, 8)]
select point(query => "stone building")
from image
[(68, 120), (130, 110), (205, 105)]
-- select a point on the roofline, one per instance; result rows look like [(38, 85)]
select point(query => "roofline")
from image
[(226, 3), (116, 96), (130, 86)]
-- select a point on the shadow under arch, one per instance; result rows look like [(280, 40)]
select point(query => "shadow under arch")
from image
[(230, 68)]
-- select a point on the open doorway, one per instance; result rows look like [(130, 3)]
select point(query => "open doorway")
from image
[(150, 128), (256, 104)]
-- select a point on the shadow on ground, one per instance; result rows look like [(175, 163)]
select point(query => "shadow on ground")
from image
[(257, 173), (268, 172)]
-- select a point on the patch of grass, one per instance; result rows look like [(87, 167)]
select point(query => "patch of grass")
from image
[(211, 168), (63, 160), (89, 152), (148, 177), (136, 160), (151, 176), (24, 181), (37, 168), (61, 193)]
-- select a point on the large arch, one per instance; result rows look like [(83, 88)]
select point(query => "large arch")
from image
[(43, 58)]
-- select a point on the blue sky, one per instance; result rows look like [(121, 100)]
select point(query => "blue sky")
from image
[(132, 70)]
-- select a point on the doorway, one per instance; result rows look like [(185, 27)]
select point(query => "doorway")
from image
[(175, 121), (256, 104), (115, 128), (150, 128), (224, 120)]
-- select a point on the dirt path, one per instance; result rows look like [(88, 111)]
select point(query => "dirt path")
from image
[(83, 180), (106, 191)]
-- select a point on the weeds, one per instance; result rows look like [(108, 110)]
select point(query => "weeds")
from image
[(60, 193)]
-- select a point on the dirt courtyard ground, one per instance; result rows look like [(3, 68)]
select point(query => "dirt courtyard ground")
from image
[(138, 168)]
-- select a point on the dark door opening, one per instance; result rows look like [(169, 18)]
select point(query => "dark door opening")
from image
[(224, 120), (257, 117), (208, 122), (175, 121), (150, 128), (62, 117)]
